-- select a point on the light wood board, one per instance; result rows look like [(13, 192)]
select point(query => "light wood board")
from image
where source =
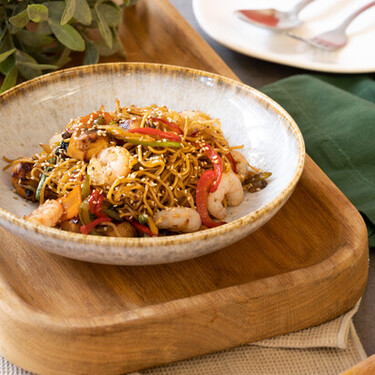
[(306, 266)]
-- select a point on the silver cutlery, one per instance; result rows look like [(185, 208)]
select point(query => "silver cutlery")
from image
[(272, 18), (333, 39)]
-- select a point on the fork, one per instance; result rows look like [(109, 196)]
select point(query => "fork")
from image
[(336, 38)]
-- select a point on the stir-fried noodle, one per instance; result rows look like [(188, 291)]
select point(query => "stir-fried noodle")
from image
[(128, 165)]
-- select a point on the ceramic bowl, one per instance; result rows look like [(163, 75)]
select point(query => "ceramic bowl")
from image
[(33, 111)]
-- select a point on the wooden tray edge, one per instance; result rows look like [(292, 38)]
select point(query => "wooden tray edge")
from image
[(211, 311)]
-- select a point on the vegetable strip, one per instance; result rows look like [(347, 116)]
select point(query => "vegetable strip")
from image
[(203, 187), (173, 126), (217, 163), (158, 133), (86, 229), (142, 228), (155, 143), (232, 162)]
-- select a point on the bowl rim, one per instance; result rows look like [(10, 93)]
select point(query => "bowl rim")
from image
[(178, 239)]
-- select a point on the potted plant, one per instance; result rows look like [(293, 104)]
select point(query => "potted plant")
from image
[(39, 36)]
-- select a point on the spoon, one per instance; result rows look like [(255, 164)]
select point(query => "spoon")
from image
[(272, 18)]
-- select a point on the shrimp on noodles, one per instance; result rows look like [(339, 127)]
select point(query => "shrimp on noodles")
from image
[(136, 171)]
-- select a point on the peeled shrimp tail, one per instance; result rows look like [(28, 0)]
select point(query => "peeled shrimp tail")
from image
[(111, 163), (48, 214), (230, 187), (241, 164), (178, 219)]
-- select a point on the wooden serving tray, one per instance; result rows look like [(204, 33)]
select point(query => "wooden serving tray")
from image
[(306, 266)]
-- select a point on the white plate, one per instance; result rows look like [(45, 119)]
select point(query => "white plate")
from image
[(358, 56)]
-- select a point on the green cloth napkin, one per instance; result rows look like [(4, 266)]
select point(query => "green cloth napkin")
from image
[(336, 115)]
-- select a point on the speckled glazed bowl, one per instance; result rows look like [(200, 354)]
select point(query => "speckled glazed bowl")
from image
[(33, 111)]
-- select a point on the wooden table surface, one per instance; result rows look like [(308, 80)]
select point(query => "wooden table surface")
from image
[(258, 73)]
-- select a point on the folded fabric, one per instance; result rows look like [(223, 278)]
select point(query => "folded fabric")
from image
[(336, 115), (327, 349)]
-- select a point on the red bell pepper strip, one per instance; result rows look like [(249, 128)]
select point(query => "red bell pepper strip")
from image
[(173, 126), (96, 203), (92, 199), (158, 133), (201, 198), (217, 163), (142, 228), (86, 229), (99, 206), (232, 162)]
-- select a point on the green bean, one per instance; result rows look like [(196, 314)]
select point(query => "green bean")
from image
[(40, 186), (120, 133), (85, 187), (155, 143), (111, 213), (84, 212)]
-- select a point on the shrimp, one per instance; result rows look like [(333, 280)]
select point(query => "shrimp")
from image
[(47, 214), (241, 164), (110, 164), (178, 219), (229, 187)]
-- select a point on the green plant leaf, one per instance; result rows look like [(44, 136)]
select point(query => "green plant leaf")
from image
[(83, 13), (64, 57), (118, 45), (43, 29), (55, 10), (2, 34), (111, 14), (26, 72), (7, 65), (92, 53), (69, 11), (6, 43), (2, 12), (38, 66), (6, 54), (104, 29), (10, 80), (103, 48), (68, 36), (20, 7), (20, 20), (34, 40), (37, 12)]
